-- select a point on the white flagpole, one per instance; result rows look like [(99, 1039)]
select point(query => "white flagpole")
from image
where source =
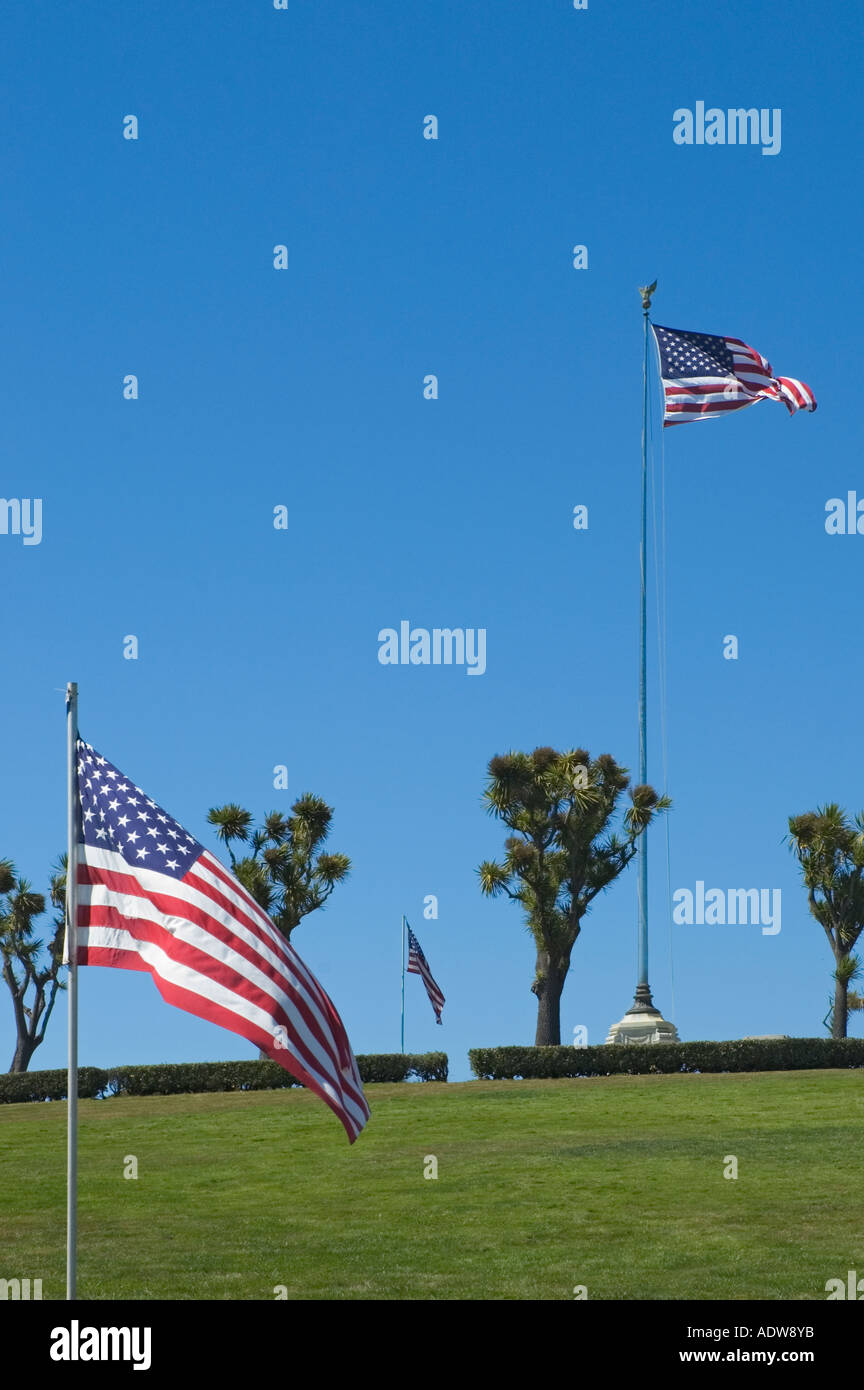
[(403, 982), (70, 956)]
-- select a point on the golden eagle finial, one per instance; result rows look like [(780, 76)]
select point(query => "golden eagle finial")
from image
[(646, 292)]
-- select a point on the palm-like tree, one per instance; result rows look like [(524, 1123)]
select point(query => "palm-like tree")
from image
[(830, 849), (32, 985), (287, 872), (562, 853)]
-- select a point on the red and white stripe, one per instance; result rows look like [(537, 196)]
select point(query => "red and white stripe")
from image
[(213, 952), (796, 395)]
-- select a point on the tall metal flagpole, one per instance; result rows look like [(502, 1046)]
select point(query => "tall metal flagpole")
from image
[(643, 1022), (643, 992), (403, 982), (70, 956)]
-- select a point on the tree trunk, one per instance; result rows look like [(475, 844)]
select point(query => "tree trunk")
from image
[(548, 986), (24, 1049), (841, 988)]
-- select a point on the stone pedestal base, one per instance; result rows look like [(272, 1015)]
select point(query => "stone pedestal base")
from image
[(643, 1023)]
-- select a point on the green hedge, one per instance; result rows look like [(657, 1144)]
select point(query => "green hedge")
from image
[(188, 1078), (50, 1085), (636, 1059), (396, 1066)]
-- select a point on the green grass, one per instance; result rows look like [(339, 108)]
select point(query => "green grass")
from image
[(615, 1183)]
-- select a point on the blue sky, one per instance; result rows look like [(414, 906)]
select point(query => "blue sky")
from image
[(304, 387)]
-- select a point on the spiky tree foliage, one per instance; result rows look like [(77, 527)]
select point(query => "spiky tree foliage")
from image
[(287, 871), (31, 977), (563, 851), (830, 849)]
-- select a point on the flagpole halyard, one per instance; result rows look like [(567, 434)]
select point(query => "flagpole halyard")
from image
[(71, 956)]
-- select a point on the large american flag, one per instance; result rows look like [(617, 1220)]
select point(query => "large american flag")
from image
[(705, 376), (151, 897), (417, 965)]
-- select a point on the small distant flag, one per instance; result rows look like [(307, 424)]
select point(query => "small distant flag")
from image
[(151, 897), (705, 376), (418, 965)]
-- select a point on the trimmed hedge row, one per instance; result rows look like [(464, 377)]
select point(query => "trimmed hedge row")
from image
[(188, 1078), (50, 1085), (487, 1063), (398, 1066), (636, 1059)]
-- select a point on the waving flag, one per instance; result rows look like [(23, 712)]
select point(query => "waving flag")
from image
[(705, 376), (417, 965), (150, 897)]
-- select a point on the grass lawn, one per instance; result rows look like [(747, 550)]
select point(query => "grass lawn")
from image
[(615, 1183)]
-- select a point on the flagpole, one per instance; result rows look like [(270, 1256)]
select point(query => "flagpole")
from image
[(643, 991), (403, 982), (643, 1022), (70, 955)]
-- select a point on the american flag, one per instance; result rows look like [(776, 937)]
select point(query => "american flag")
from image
[(417, 965), (150, 897), (705, 376)]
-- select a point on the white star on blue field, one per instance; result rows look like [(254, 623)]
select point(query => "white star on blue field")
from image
[(115, 815), (692, 354)]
